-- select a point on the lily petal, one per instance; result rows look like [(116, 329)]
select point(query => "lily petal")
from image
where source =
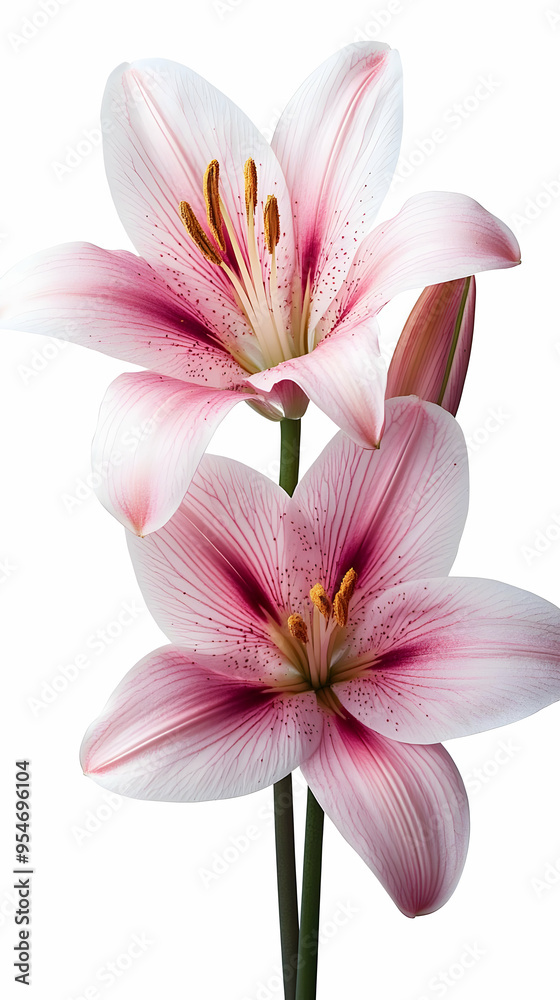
[(403, 809), (432, 354), (213, 576), (393, 514), (175, 731), (151, 435), (338, 142), (165, 124), (435, 237), (454, 657), (113, 302), (345, 376)]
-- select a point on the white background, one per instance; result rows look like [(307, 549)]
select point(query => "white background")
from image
[(109, 870)]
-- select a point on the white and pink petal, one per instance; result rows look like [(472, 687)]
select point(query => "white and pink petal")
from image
[(403, 808), (175, 731), (114, 302), (338, 142), (165, 124), (214, 576), (436, 237), (151, 434), (393, 514), (345, 377), (453, 657)]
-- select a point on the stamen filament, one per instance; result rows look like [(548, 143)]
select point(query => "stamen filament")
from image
[(316, 644), (293, 651), (352, 667), (258, 283), (254, 309), (304, 340)]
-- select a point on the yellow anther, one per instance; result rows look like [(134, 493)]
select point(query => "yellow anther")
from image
[(340, 610), (250, 174), (271, 223), (298, 628), (197, 234), (212, 198), (342, 597), (348, 584), (321, 601)]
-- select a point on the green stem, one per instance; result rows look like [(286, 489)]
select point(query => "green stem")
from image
[(306, 988), (290, 434), (287, 883), (290, 431)]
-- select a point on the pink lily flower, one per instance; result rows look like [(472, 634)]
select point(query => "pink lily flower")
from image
[(257, 278), (432, 354), (323, 631)]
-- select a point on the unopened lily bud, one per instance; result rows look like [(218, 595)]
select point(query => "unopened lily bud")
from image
[(432, 354)]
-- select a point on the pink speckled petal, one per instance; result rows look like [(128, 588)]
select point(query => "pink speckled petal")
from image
[(436, 237), (117, 304), (403, 808), (345, 377), (338, 141), (214, 576), (453, 657), (392, 514), (164, 124), (176, 731)]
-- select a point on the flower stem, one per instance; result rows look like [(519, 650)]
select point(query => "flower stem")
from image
[(287, 883), (306, 988), (290, 431), (290, 434)]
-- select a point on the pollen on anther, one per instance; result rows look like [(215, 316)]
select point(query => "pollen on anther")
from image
[(340, 610), (197, 234), (298, 628), (342, 597), (271, 223), (250, 175), (348, 584), (321, 601), (212, 199)]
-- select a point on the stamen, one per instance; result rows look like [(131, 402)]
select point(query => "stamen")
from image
[(271, 223), (298, 628), (250, 174), (348, 584), (340, 610), (321, 601), (212, 198), (197, 234), (342, 598)]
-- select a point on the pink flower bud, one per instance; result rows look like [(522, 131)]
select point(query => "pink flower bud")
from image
[(432, 354)]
